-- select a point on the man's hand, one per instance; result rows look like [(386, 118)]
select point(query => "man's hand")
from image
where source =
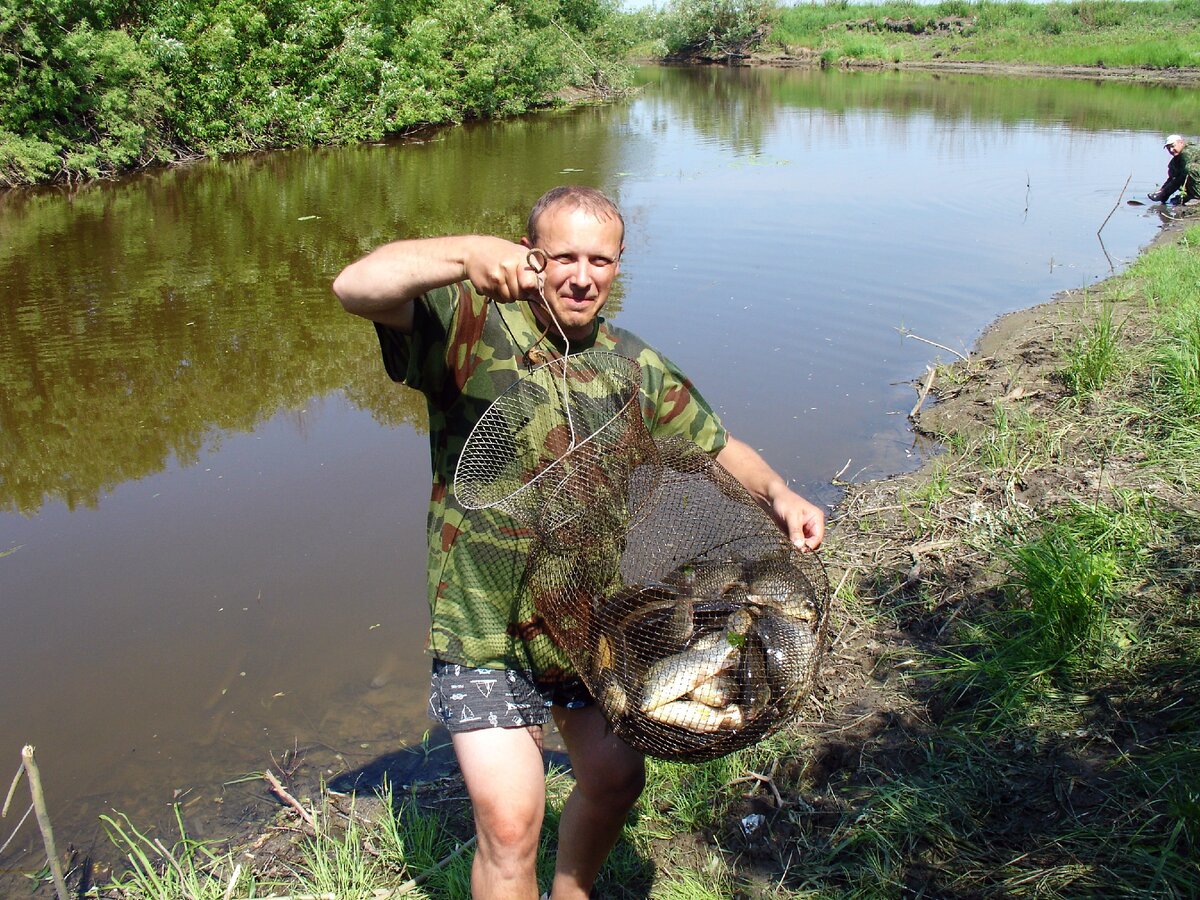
[(382, 285), (501, 270), (801, 521)]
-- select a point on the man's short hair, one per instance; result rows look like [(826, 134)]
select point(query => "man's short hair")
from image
[(573, 196)]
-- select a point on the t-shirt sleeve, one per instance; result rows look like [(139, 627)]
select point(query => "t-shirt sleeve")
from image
[(419, 359), (672, 405)]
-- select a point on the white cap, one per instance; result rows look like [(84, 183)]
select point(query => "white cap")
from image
[(1173, 139)]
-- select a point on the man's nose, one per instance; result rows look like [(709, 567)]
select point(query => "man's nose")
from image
[(581, 273)]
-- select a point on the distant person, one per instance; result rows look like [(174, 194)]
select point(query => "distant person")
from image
[(1183, 173)]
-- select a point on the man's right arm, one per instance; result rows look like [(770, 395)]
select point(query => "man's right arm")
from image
[(382, 285)]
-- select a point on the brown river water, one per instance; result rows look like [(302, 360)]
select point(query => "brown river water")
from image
[(212, 499)]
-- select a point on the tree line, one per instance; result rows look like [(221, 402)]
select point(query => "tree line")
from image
[(90, 88)]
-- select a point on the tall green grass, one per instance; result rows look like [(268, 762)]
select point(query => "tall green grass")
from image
[(1094, 357), (1101, 32)]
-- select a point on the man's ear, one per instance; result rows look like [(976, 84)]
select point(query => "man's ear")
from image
[(524, 242)]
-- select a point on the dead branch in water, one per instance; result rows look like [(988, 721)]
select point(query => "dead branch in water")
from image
[(43, 820), (1115, 205), (291, 801), (912, 413)]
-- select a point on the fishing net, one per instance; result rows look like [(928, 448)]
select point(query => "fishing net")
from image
[(693, 621)]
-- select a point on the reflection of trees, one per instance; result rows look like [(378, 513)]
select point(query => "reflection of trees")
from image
[(142, 320), (731, 105)]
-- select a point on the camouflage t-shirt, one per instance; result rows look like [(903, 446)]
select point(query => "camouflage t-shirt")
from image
[(464, 352)]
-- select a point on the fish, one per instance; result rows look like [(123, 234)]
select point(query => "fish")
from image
[(613, 699), (717, 692), (789, 651), (712, 580), (775, 583), (697, 717), (752, 672), (674, 676)]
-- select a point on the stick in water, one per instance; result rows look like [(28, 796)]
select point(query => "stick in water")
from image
[(1115, 205), (43, 820)]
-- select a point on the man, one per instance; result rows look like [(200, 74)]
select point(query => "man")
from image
[(495, 670), (1183, 172)]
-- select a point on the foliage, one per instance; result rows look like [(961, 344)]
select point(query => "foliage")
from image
[(715, 28), (81, 95), (93, 89)]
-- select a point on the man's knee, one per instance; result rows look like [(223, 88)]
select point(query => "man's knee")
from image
[(617, 785), (510, 828)]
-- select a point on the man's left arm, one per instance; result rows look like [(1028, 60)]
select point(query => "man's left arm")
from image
[(801, 521)]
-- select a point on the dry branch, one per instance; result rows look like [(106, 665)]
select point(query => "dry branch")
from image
[(912, 413), (291, 801)]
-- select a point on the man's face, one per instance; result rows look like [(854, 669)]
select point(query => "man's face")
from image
[(583, 256), (1176, 148)]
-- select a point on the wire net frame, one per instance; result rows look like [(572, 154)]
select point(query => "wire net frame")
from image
[(689, 616)]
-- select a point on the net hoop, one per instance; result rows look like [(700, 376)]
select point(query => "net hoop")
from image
[(543, 402)]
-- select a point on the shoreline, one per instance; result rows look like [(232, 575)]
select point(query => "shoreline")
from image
[(1189, 77)]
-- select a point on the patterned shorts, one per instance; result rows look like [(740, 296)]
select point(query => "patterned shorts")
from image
[(464, 699)]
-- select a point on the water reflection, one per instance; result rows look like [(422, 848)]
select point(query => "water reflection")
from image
[(214, 499)]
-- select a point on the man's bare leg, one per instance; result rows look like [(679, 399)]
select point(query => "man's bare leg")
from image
[(609, 777), (506, 781)]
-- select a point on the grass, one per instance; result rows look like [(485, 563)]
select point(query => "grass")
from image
[(1093, 358), (1103, 32)]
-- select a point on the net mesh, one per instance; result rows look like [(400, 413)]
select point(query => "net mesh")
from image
[(693, 621)]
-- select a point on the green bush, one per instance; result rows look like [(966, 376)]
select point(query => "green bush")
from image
[(716, 28), (90, 89)]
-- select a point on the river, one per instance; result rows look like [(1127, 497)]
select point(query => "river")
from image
[(212, 499)]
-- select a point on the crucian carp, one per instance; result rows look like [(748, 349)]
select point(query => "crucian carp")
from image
[(677, 675)]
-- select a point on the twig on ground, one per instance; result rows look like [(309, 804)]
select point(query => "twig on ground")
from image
[(916, 337), (761, 779), (291, 801), (834, 479), (237, 871)]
